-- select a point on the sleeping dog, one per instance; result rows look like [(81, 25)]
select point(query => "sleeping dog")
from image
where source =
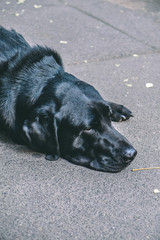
[(53, 112)]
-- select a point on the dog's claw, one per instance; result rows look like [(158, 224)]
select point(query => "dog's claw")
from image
[(120, 113), (123, 117)]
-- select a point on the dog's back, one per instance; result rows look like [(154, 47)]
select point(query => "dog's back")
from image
[(24, 73), (11, 43), (12, 48)]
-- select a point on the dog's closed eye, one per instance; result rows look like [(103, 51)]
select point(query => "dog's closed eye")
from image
[(88, 128), (89, 131)]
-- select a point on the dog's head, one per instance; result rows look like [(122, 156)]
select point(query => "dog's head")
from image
[(79, 130), (87, 137)]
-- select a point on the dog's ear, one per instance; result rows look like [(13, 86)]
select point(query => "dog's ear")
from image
[(41, 134)]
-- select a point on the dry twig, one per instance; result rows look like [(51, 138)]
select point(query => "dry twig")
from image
[(149, 168)]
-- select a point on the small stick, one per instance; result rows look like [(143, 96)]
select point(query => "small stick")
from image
[(139, 169)]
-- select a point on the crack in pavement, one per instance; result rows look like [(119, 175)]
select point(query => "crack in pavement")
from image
[(111, 26), (116, 57)]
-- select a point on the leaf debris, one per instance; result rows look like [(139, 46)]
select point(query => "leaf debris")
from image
[(37, 6), (135, 55), (149, 85), (63, 42), (117, 65), (128, 84), (156, 191), (20, 1)]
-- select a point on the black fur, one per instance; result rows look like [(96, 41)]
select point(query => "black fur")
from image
[(53, 112)]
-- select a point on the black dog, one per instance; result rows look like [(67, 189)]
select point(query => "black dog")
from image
[(53, 112)]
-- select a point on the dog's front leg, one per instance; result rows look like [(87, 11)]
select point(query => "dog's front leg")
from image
[(51, 157)]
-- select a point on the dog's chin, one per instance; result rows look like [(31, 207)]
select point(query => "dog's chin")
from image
[(109, 166)]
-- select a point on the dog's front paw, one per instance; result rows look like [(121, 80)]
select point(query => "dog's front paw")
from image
[(119, 113), (51, 157)]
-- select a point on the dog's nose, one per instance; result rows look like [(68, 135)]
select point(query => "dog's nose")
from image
[(129, 154)]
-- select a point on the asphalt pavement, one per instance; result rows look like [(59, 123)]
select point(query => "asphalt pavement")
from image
[(115, 46)]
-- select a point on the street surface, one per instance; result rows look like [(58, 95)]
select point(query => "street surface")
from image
[(115, 46)]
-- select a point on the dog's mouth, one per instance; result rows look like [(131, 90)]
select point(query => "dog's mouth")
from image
[(106, 164), (109, 165)]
